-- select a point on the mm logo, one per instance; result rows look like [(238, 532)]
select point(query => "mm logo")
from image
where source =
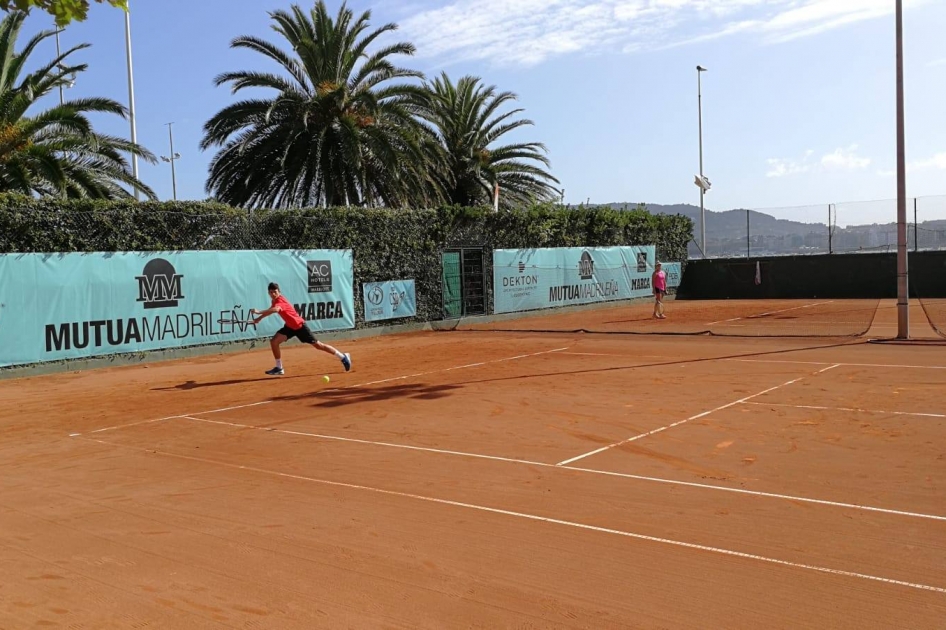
[(586, 266), (320, 276), (641, 262), (159, 285)]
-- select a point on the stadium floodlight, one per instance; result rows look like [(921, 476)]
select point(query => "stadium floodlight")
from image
[(171, 160)]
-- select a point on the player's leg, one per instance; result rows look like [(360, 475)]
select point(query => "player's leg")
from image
[(278, 339), (656, 303), (305, 336), (660, 305)]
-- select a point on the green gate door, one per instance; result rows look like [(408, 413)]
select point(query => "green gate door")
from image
[(452, 296)]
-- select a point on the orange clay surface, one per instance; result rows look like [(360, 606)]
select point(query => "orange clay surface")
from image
[(484, 479)]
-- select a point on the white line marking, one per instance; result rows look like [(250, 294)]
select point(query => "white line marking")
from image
[(545, 519), (512, 460), (125, 426), (684, 421), (450, 369), (358, 441), (784, 310), (256, 404), (853, 409), (877, 365)]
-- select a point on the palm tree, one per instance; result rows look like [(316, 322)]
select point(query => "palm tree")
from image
[(463, 117), (56, 152), (336, 132)]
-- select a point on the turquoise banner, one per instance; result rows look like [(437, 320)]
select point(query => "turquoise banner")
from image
[(529, 279), (67, 306), (389, 300), (673, 270)]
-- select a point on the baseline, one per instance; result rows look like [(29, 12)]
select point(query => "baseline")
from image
[(538, 518)]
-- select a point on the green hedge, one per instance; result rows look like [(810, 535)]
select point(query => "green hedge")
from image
[(387, 244)]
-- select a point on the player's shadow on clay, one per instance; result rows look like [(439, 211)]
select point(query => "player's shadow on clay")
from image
[(330, 398), (195, 385)]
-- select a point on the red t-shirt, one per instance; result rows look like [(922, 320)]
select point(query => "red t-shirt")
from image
[(288, 313)]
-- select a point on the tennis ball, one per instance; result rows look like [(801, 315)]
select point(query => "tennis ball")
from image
[(326, 378)]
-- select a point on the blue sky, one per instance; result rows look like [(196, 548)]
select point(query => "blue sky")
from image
[(798, 102)]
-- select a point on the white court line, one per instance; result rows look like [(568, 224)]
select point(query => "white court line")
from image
[(202, 413), (545, 519), (877, 365), (134, 424), (784, 310), (124, 426), (854, 409), (685, 420), (512, 460), (450, 369)]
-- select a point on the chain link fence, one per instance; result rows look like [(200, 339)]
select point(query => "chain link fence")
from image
[(836, 228)]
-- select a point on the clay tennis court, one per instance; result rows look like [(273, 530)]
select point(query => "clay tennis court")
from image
[(485, 479)]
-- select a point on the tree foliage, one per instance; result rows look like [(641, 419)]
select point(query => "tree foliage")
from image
[(65, 11), (56, 152), (337, 130)]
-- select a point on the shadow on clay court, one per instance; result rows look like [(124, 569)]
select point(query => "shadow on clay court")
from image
[(187, 385), (330, 398)]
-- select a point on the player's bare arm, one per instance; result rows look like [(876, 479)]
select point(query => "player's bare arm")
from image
[(263, 314)]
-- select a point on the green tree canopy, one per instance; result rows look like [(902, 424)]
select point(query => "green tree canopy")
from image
[(65, 11), (56, 152)]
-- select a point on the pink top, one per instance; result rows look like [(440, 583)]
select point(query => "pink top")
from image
[(660, 280)]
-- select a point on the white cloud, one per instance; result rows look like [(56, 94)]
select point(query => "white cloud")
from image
[(936, 63), (936, 162), (839, 159), (527, 32), (845, 159), (779, 167)]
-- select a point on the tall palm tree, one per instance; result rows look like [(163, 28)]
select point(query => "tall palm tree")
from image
[(464, 119), (56, 152), (336, 131)]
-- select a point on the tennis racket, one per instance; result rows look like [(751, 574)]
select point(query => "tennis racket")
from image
[(238, 319)]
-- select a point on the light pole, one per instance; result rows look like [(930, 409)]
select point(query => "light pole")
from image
[(174, 157), (58, 53), (903, 308), (60, 67), (131, 98), (702, 183)]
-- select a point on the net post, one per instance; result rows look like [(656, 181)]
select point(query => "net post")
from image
[(830, 231), (916, 233)]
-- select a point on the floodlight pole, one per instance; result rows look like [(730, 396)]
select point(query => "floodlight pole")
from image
[(903, 307), (58, 53), (172, 159), (131, 99), (699, 99)]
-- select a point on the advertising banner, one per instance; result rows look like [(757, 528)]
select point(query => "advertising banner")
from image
[(389, 300), (529, 279), (674, 273), (66, 306)]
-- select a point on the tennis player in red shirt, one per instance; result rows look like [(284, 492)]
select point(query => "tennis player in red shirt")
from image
[(294, 327)]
